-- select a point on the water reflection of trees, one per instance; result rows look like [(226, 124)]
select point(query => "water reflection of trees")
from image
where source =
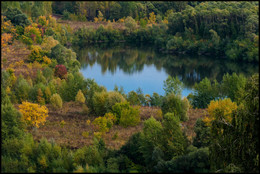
[(132, 59)]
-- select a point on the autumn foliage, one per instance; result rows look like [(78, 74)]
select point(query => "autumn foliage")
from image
[(33, 114), (60, 71), (220, 109)]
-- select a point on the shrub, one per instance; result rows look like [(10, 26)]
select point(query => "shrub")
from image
[(130, 23), (125, 114), (58, 53), (113, 98), (133, 98), (56, 101), (34, 33), (111, 119), (85, 109), (36, 54), (204, 92), (173, 104), (99, 100), (60, 71), (80, 98), (202, 138), (48, 43), (33, 114), (22, 89), (48, 73), (47, 93), (17, 17), (40, 98), (101, 123), (231, 84), (156, 99)]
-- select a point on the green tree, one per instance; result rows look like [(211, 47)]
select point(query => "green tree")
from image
[(56, 101), (174, 104), (130, 23), (173, 85)]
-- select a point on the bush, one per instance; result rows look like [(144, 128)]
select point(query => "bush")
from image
[(133, 98), (204, 92), (17, 17), (56, 101), (113, 98), (34, 33), (156, 99), (231, 84), (85, 109), (22, 89), (130, 23), (33, 114), (194, 162), (60, 71), (48, 43), (125, 114), (101, 123), (80, 98), (174, 104), (202, 138), (99, 100), (36, 54)]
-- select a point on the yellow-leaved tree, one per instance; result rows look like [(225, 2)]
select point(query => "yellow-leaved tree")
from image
[(152, 18), (220, 110), (80, 98), (33, 114)]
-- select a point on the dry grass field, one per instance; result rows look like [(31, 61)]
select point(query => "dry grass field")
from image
[(71, 134)]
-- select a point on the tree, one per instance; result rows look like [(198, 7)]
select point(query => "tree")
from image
[(220, 110), (17, 17), (21, 89), (80, 97), (40, 98), (47, 93), (204, 92), (56, 101), (60, 71), (174, 104), (112, 99), (173, 85), (232, 84), (202, 138), (237, 138), (173, 143), (152, 18), (130, 23), (126, 115), (151, 137), (33, 114)]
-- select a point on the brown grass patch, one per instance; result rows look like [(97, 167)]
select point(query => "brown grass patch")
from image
[(15, 53), (70, 135)]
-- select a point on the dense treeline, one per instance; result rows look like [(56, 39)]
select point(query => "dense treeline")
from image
[(228, 29), (225, 139)]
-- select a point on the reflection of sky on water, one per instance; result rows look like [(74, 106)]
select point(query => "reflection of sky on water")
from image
[(149, 79)]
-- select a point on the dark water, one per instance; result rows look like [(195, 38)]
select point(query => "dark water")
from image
[(140, 66)]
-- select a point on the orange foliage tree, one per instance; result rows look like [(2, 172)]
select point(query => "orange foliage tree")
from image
[(33, 114)]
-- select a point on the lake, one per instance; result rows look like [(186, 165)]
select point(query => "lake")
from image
[(133, 67)]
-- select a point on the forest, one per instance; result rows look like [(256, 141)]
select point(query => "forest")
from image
[(55, 120)]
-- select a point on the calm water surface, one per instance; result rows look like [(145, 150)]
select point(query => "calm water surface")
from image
[(133, 67)]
